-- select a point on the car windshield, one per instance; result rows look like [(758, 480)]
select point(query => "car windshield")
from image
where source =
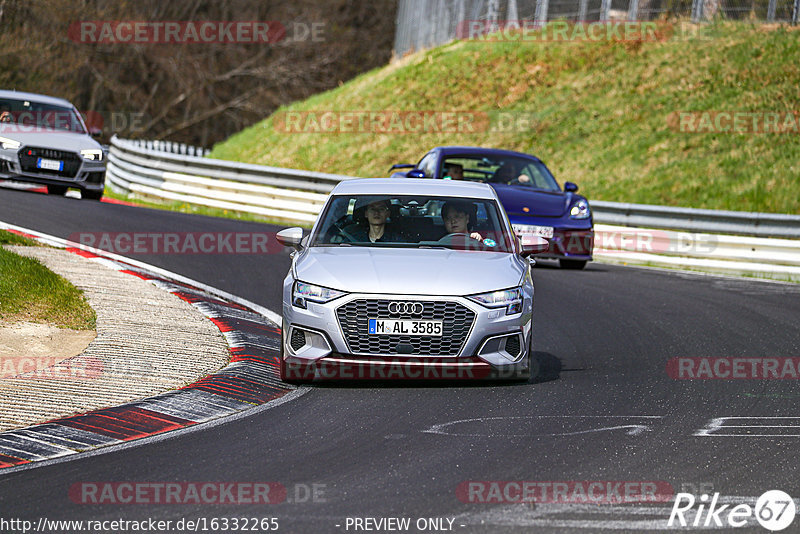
[(30, 114), (403, 221), (511, 170)]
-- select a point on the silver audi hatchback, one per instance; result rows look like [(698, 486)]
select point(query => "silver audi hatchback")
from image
[(412, 279)]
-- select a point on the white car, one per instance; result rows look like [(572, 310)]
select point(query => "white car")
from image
[(409, 279), (43, 140)]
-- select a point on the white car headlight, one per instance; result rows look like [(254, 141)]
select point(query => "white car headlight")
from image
[(302, 292), (9, 144), (511, 299), (92, 154), (580, 210)]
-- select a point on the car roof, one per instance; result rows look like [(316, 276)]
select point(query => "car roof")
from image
[(453, 149), (43, 99), (414, 186)]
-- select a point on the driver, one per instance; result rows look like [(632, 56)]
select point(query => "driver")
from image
[(456, 216), (508, 174), (373, 225), (454, 171), (5, 113)]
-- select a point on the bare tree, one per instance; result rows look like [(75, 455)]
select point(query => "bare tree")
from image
[(198, 93)]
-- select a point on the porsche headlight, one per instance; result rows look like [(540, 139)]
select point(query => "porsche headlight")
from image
[(92, 154), (510, 299), (302, 293), (9, 144), (580, 210)]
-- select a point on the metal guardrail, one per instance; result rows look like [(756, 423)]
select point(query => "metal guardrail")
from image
[(296, 197), (287, 195), (697, 220)]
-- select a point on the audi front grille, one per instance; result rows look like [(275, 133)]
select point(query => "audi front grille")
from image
[(28, 157), (456, 325)]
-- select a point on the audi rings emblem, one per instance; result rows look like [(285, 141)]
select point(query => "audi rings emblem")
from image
[(406, 308)]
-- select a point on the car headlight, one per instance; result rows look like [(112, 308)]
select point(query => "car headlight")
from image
[(580, 210), (9, 144), (302, 292), (510, 299), (92, 154)]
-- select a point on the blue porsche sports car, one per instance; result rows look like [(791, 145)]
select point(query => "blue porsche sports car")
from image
[(530, 195)]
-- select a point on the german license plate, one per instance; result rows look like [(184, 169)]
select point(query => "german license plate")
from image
[(405, 327), (50, 164), (530, 229)]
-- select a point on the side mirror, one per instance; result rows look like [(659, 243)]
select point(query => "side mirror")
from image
[(570, 187), (533, 244), (415, 173), (95, 132), (290, 237)]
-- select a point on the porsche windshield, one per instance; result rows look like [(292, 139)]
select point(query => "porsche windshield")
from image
[(413, 221), (511, 170)]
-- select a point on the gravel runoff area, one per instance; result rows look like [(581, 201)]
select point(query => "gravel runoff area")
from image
[(148, 341)]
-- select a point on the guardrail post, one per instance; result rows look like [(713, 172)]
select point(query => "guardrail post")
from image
[(771, 11), (540, 17), (697, 10), (605, 7), (633, 10), (795, 12)]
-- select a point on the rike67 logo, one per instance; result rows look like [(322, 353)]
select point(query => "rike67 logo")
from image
[(774, 510)]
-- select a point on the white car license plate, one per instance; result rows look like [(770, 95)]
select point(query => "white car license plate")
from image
[(405, 327), (50, 164), (529, 229)]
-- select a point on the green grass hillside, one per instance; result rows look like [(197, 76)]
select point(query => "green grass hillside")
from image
[(29, 291), (605, 114)]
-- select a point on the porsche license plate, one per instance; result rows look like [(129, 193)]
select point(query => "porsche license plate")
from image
[(530, 229)]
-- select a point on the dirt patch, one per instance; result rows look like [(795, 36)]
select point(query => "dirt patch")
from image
[(27, 347)]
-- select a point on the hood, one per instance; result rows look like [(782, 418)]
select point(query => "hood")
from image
[(407, 271), (42, 137), (540, 203)]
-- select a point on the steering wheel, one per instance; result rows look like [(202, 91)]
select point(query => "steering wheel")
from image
[(451, 236), (344, 233)]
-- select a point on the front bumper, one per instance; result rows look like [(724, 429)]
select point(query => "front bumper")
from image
[(89, 175), (317, 347), (570, 244), (572, 239)]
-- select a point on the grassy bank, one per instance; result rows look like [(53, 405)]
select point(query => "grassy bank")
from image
[(31, 292), (605, 114)]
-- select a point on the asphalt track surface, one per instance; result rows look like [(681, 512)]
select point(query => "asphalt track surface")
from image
[(607, 410)]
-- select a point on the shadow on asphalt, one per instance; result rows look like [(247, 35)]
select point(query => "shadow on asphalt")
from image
[(550, 370)]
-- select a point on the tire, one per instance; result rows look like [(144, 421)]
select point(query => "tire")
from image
[(91, 195), (59, 190), (572, 264)]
